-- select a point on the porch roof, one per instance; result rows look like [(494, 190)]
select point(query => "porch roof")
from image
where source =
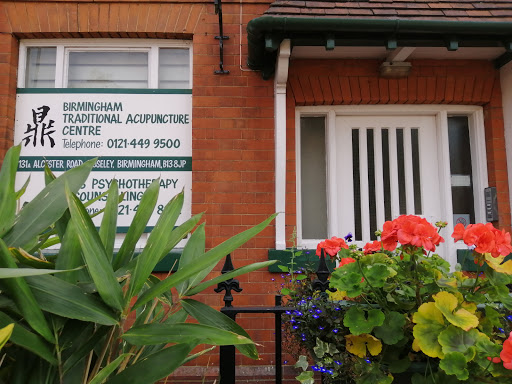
[(461, 10), (381, 23)]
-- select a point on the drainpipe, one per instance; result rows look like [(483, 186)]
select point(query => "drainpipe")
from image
[(280, 80)]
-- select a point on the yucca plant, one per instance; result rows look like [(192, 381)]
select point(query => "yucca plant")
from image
[(94, 314)]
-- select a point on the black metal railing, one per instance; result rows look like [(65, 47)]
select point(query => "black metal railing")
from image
[(227, 365)]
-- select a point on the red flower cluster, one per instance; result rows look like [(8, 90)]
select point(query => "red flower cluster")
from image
[(485, 238), (505, 354), (345, 261), (331, 246), (372, 247), (410, 230)]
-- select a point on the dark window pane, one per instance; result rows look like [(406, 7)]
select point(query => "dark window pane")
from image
[(313, 178), (386, 174), (460, 168), (460, 153), (416, 171), (357, 186), (371, 183), (401, 170)]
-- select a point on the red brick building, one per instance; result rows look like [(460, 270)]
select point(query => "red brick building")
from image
[(339, 115)]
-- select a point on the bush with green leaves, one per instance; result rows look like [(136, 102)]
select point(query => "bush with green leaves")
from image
[(71, 309), (400, 316)]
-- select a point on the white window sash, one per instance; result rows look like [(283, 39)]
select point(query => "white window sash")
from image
[(64, 46)]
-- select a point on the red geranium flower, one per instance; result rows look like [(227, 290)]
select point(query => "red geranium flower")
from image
[(410, 230), (345, 261), (458, 232), (331, 246), (485, 238), (502, 241), (372, 247), (506, 353)]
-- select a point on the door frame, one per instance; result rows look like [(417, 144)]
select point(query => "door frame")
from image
[(441, 113)]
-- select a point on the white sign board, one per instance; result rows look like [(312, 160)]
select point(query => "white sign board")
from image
[(137, 137)]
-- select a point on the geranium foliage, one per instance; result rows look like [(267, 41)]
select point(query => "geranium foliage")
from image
[(396, 305)]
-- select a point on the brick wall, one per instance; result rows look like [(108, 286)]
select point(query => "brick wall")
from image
[(233, 132), (233, 127), (8, 71)]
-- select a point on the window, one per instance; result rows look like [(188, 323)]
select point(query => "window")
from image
[(105, 63), (361, 166)]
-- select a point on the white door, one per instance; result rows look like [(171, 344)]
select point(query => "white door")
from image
[(386, 166)]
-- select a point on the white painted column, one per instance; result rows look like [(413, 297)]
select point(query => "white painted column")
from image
[(506, 90), (280, 80)]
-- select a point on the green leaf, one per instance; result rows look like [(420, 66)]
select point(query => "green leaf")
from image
[(70, 254), (155, 367), (29, 260), (49, 176), (488, 348), (391, 332), (19, 290), (229, 275), (177, 317), (377, 275), (26, 339), (207, 260), (348, 279), (85, 348), (420, 379), (64, 299), (157, 245), (193, 250), (46, 208), (360, 321), (322, 347), (144, 211), (302, 363), (151, 334), (209, 316), (166, 297), (399, 366), (94, 254), (429, 323), (109, 369), (23, 189), (7, 273), (493, 316), (108, 227), (7, 193), (454, 339), (306, 377), (180, 232), (448, 304), (455, 364)]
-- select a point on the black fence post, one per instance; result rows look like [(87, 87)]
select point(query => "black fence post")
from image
[(278, 340), (227, 363)]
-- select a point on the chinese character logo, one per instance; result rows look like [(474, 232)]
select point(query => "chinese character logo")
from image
[(40, 128)]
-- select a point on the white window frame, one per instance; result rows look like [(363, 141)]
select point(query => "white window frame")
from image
[(65, 46), (441, 114)]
